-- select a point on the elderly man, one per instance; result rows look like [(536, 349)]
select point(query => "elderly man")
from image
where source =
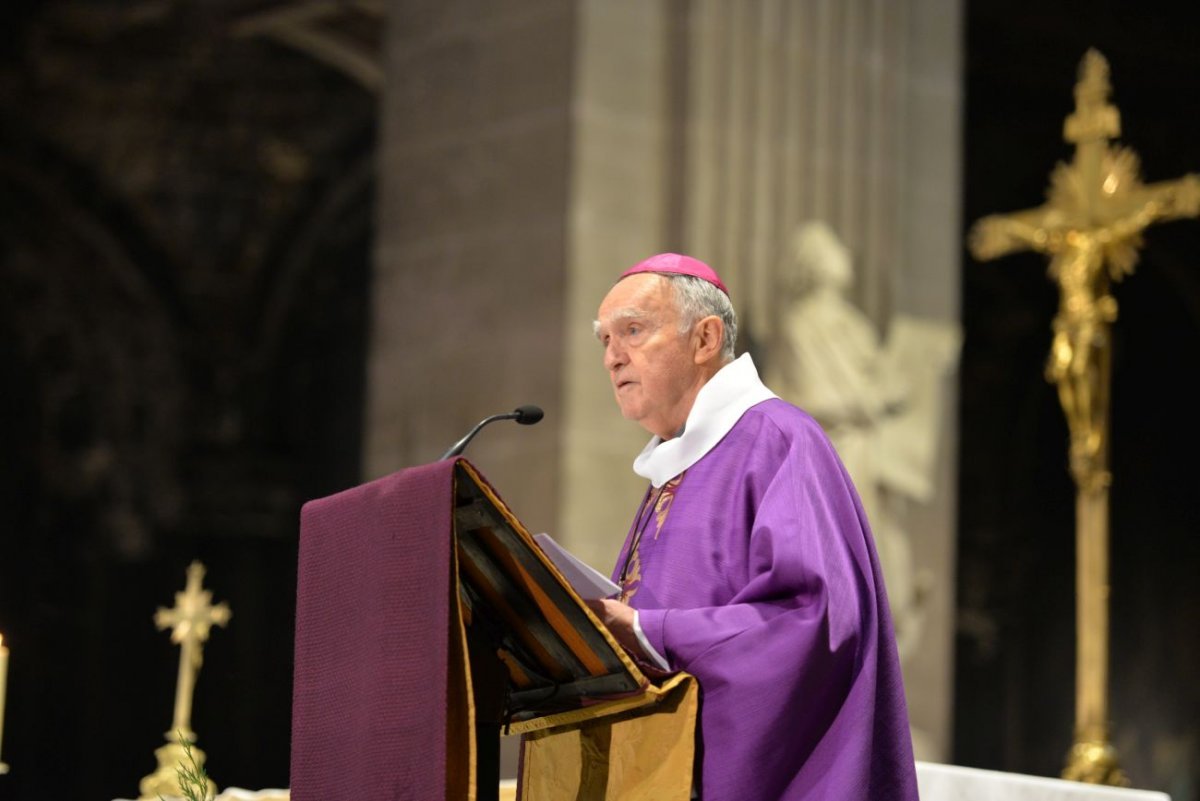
[(749, 563)]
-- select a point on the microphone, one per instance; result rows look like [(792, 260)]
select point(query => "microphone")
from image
[(524, 415)]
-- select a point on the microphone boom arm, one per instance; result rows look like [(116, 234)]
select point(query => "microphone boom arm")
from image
[(524, 415), (461, 445)]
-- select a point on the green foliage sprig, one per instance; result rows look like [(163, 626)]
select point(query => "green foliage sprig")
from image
[(193, 779)]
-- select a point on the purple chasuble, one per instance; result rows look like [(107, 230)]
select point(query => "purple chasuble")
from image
[(755, 571)]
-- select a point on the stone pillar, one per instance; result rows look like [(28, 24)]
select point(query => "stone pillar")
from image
[(926, 282), (468, 294), (620, 209), (798, 111), (524, 164)]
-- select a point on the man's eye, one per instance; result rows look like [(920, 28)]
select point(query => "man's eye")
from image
[(634, 330)]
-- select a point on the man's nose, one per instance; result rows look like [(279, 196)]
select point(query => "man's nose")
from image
[(614, 355)]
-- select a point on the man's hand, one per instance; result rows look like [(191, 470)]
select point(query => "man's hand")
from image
[(618, 617)]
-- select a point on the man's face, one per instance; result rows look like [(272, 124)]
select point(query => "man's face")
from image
[(651, 364)]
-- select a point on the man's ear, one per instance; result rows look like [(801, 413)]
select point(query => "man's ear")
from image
[(708, 336)]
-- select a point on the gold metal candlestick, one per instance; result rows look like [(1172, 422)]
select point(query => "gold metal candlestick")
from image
[(1091, 228), (190, 621)]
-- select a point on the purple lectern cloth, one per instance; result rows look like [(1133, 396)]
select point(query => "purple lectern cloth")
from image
[(758, 575), (372, 611)]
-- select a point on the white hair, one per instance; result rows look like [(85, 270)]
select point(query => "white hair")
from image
[(697, 299)]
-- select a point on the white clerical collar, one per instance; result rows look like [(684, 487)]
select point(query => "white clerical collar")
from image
[(718, 406)]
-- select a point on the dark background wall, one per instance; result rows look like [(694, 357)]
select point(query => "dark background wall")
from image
[(1015, 649), (185, 230)]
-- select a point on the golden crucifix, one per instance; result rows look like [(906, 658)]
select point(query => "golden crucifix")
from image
[(190, 622), (1091, 228)]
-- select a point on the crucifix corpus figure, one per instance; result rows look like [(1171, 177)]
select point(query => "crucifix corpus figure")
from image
[(1091, 228), (190, 621)]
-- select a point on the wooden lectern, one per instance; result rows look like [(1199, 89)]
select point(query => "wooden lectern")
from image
[(427, 622)]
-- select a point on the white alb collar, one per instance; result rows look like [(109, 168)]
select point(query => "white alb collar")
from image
[(718, 406)]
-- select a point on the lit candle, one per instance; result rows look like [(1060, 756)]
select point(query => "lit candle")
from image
[(3, 683)]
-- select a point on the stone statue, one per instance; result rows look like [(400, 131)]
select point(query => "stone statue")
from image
[(881, 404)]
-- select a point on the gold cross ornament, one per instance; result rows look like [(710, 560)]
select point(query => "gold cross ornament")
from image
[(1091, 229), (190, 621)]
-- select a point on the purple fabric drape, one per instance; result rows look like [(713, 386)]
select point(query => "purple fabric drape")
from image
[(371, 678)]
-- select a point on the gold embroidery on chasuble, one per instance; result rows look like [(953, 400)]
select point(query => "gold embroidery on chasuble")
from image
[(665, 500), (633, 577), (662, 508)]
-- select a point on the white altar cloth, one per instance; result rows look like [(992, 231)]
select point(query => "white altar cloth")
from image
[(238, 794), (954, 783), (936, 783)]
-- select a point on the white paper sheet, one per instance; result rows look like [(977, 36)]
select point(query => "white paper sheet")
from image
[(590, 583)]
